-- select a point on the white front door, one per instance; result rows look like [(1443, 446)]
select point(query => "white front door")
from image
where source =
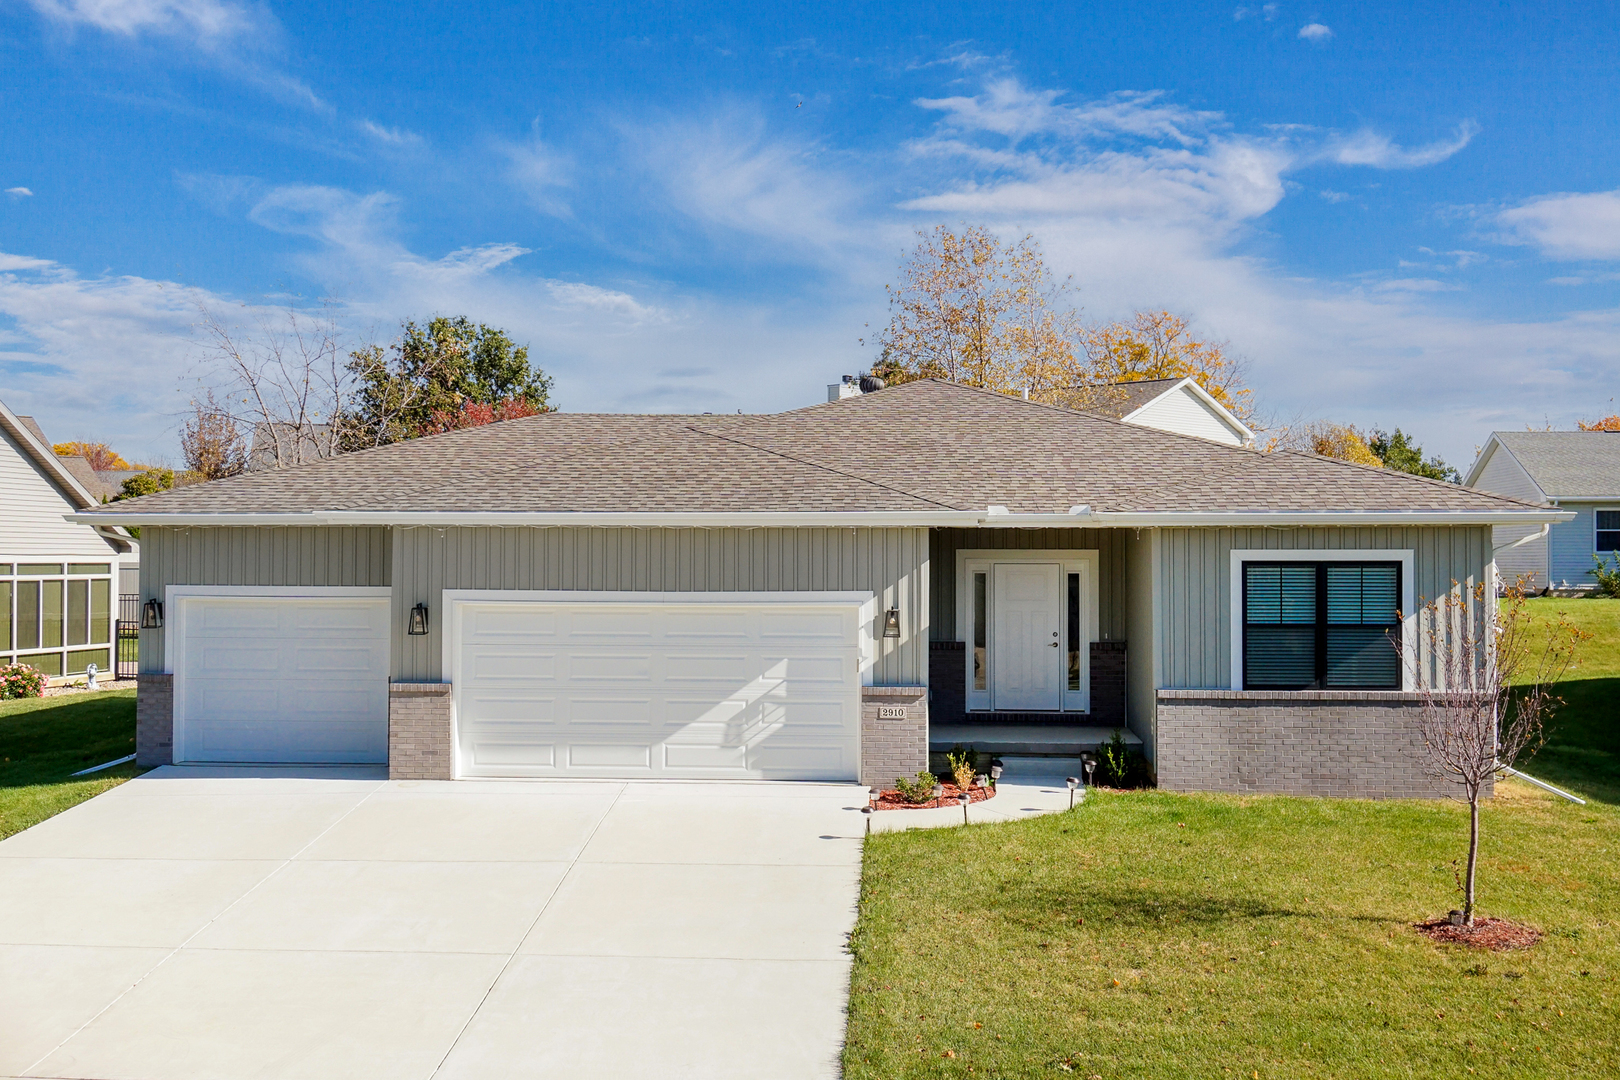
[(1026, 662), (765, 690)]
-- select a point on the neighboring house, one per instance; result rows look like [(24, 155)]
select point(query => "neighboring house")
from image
[(105, 484), (58, 580), (823, 594), (282, 445), (1177, 405), (1577, 471)]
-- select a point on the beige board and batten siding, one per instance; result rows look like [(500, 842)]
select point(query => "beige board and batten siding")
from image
[(259, 555), (1193, 583), (1108, 543), (890, 563)]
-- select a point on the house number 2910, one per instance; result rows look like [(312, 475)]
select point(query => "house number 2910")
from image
[(891, 712)]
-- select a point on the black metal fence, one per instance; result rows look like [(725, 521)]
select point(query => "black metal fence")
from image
[(127, 636)]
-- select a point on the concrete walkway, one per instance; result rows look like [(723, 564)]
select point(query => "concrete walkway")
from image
[(220, 923)]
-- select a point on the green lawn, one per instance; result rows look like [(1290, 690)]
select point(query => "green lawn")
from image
[(1156, 935), (1583, 750), (43, 740)]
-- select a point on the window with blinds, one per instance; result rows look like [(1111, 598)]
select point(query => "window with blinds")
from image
[(1608, 530), (1321, 626)]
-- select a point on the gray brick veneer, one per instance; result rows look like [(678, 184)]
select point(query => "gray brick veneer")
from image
[(893, 747), (154, 720), (1357, 744), (419, 737)]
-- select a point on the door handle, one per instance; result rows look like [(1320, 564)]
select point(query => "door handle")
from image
[(1054, 644)]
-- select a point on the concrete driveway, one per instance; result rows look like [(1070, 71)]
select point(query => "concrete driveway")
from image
[(218, 923)]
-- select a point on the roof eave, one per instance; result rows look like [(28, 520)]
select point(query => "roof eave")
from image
[(993, 518)]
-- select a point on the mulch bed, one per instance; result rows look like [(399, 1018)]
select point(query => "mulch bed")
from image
[(106, 684), (891, 800), (1498, 935)]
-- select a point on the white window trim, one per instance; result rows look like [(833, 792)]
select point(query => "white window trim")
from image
[(1071, 560), (452, 601), (1596, 510), (175, 611), (1409, 619)]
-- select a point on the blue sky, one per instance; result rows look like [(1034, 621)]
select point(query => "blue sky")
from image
[(1396, 213)]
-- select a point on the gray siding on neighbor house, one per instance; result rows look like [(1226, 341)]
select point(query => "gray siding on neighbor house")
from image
[(891, 563), (1573, 543), (1503, 475), (1194, 594), (1108, 543), (305, 555)]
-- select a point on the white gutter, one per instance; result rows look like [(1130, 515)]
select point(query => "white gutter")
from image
[(1545, 529), (991, 517)]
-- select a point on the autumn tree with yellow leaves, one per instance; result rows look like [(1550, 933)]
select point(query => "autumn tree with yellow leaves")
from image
[(974, 309)]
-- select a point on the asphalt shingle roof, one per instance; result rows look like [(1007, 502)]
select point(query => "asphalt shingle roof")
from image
[(921, 446), (1568, 464)]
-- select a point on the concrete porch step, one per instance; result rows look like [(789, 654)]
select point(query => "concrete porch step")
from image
[(1031, 740)]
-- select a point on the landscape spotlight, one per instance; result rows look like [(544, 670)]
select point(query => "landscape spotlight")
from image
[(1073, 783), (964, 799)]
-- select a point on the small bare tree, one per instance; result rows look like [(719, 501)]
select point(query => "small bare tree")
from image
[(1486, 674), (283, 377), (210, 441)]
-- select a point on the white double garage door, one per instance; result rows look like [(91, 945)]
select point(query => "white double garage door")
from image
[(592, 685)]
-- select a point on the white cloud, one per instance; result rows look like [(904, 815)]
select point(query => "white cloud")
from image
[(541, 173), (396, 137), (1315, 32), (1366, 147), (1331, 196), (1567, 226), (19, 192), (207, 20)]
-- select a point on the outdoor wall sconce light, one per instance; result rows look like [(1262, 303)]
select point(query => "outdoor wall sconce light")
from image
[(152, 615), (1073, 783), (419, 621), (891, 623)]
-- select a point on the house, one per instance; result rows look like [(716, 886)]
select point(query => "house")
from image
[(58, 579), (821, 594), (1178, 405), (1577, 471)]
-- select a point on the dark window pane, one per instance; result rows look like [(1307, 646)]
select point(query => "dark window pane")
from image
[(27, 614), (77, 660), (101, 611), (1074, 631), (1361, 595), (1608, 519), (78, 613), (50, 662), (1280, 657), (1362, 657), (50, 618), (981, 678), (1280, 594)]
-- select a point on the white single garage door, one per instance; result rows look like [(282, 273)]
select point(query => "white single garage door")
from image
[(281, 679), (766, 690)]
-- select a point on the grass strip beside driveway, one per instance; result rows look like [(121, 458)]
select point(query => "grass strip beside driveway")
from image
[(1151, 934), (44, 740)]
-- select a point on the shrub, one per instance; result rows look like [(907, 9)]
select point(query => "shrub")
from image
[(1608, 577), (964, 765), (21, 681), (916, 791), (1120, 766)]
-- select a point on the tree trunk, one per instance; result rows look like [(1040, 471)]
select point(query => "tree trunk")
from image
[(1473, 858)]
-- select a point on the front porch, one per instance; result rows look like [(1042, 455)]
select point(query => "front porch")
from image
[(1029, 650)]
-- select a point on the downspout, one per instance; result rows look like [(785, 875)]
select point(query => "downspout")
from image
[(1542, 784)]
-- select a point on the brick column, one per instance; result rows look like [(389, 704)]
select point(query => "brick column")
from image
[(893, 745), (419, 739), (154, 720), (1108, 683)]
